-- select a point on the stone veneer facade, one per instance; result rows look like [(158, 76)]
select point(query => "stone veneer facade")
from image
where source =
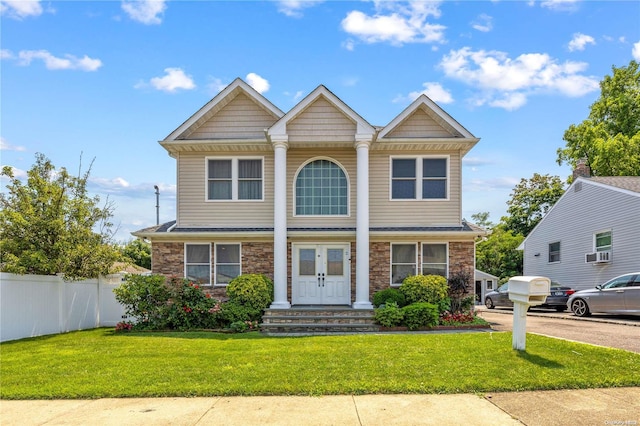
[(258, 257)]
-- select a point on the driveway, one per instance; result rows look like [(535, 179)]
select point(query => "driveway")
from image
[(614, 332)]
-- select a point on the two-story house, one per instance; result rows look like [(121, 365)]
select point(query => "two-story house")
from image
[(329, 206)]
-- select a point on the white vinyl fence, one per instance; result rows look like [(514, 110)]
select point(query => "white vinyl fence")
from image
[(35, 305)]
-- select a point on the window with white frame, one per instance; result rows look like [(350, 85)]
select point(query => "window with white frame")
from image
[(554, 252), (602, 241), (234, 179), (197, 263), (321, 190), (419, 178), (434, 259), (403, 262), (227, 263)]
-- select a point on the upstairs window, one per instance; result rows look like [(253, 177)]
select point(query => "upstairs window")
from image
[(421, 178), (322, 190), (554, 252), (234, 179)]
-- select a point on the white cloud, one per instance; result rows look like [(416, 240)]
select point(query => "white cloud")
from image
[(483, 23), (215, 85), (174, 80), (349, 44), (260, 84), (579, 41), (560, 5), (294, 8), (6, 146), (505, 82), (68, 62), (6, 54), (434, 91), (120, 186), (396, 23), (636, 51), (148, 12), (19, 9)]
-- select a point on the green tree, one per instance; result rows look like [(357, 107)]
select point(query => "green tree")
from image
[(530, 200), (498, 254), (482, 219), (137, 252), (51, 225), (609, 139)]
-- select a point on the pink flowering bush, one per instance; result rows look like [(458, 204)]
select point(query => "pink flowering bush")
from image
[(124, 326), (449, 318)]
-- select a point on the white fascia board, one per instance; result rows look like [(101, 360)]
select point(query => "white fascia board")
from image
[(238, 83), (424, 100)]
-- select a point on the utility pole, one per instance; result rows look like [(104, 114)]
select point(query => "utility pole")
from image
[(157, 204)]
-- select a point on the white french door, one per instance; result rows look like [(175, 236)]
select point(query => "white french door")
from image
[(321, 274)]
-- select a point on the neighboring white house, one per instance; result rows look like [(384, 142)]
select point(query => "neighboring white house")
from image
[(484, 283), (592, 233)]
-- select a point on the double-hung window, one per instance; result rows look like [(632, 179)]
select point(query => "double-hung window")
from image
[(434, 259), (227, 263), (197, 263), (234, 179), (419, 178), (403, 262), (602, 241), (554, 252)]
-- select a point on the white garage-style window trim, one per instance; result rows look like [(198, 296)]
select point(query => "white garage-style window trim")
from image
[(419, 178), (234, 178), (321, 188), (197, 263), (404, 261), (228, 262), (435, 259)]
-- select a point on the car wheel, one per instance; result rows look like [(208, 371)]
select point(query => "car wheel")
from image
[(561, 308), (580, 308), (489, 303)]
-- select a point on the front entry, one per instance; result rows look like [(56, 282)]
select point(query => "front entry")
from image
[(321, 274)]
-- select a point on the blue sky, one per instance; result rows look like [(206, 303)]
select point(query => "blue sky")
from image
[(107, 80)]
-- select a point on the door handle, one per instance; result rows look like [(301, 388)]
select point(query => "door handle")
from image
[(323, 279), (318, 279)]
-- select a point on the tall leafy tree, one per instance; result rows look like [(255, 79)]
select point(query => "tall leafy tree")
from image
[(609, 139), (138, 252), (52, 225), (498, 254), (530, 200)]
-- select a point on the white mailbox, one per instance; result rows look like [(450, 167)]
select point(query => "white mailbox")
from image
[(532, 291), (525, 292)]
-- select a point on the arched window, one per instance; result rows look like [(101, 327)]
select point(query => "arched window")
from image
[(321, 190)]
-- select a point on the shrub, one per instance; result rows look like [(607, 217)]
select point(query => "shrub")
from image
[(424, 288), (382, 297), (389, 316), (232, 311), (459, 283), (251, 290), (420, 314), (242, 326)]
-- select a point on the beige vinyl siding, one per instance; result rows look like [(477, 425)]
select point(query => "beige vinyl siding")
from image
[(296, 158), (241, 118), (321, 121), (419, 125), (387, 212), (195, 211)]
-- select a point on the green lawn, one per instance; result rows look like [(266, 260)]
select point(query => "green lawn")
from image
[(99, 363)]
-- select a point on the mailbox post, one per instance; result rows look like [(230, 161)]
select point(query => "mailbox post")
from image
[(525, 292)]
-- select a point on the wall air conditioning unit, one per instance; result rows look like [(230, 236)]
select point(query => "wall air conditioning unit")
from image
[(598, 257)]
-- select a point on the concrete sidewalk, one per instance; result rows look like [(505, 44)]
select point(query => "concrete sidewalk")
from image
[(613, 406)]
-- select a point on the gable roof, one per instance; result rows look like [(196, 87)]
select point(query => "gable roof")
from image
[(628, 183), (450, 134), (363, 128), (220, 101)]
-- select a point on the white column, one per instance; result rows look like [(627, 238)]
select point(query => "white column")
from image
[(362, 226), (280, 225)]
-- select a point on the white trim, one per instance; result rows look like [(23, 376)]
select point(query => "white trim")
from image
[(603, 231), (234, 178), (208, 284), (419, 178), (215, 261), (295, 179)]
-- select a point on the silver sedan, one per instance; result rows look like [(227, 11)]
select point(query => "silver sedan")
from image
[(620, 295)]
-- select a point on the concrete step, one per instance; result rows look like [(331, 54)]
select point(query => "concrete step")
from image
[(314, 320)]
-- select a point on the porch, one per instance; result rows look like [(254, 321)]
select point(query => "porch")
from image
[(301, 320)]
